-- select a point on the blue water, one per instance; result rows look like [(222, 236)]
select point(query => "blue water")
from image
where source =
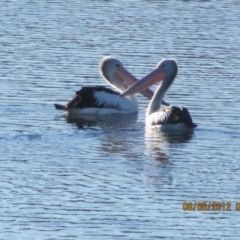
[(110, 178)]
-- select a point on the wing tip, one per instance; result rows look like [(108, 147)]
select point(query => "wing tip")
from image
[(59, 107), (193, 125)]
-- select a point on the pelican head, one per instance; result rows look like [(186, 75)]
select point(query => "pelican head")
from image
[(170, 68), (117, 76), (114, 73), (166, 71)]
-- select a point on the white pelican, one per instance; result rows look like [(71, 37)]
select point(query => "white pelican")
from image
[(166, 118), (101, 100)]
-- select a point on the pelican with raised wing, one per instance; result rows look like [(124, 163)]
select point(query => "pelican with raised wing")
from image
[(169, 117), (100, 100)]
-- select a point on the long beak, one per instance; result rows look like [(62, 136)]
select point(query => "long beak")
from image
[(126, 77), (152, 78)]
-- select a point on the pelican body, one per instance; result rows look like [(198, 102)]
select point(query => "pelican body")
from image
[(101, 100), (169, 117)]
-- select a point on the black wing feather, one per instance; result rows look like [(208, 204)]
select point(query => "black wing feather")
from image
[(84, 98), (174, 115)]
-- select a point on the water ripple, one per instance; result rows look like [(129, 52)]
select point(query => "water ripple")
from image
[(110, 177)]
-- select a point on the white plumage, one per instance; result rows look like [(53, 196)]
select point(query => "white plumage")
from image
[(114, 101)]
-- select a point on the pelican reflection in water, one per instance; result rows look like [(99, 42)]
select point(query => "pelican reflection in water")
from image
[(112, 122)]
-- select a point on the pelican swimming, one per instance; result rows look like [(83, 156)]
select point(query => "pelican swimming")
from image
[(101, 100), (169, 117)]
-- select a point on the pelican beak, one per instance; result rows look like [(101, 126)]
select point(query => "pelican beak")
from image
[(152, 78), (126, 77)]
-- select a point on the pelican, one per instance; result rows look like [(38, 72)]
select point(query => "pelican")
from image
[(169, 117), (100, 100)]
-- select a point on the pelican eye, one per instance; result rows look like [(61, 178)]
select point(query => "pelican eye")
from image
[(118, 65), (163, 65)]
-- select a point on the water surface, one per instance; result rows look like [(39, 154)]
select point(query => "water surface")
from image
[(110, 178)]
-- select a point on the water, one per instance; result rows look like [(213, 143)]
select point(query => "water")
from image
[(110, 178)]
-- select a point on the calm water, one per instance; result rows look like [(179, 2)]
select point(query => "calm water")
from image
[(109, 178)]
